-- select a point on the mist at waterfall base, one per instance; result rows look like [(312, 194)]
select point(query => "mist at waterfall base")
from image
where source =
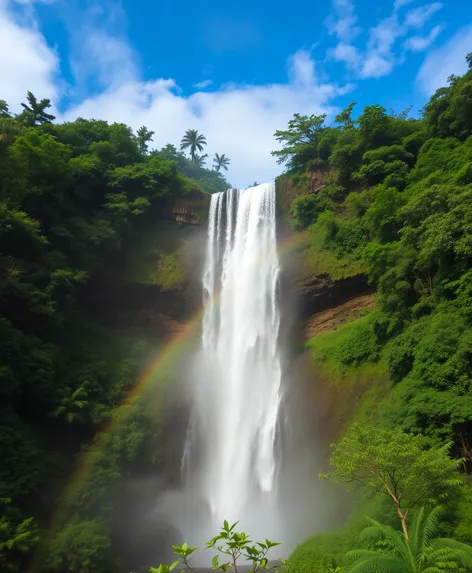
[(246, 457)]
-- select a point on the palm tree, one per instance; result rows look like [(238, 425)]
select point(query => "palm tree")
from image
[(193, 140), (200, 160), (424, 552), (143, 137), (4, 112), (34, 112), (70, 402), (220, 162)]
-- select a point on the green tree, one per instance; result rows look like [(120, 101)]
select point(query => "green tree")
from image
[(449, 110), (71, 404), (375, 127), (383, 163), (80, 547), (4, 109), (423, 552), (300, 141), (9, 129), (200, 160), (306, 208), (345, 117), (35, 112), (346, 154), (396, 464), (17, 537), (220, 162), (193, 141), (144, 136)]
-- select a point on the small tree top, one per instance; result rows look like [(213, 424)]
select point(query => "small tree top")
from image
[(400, 465)]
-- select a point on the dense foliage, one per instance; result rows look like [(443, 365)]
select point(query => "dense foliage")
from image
[(72, 196), (390, 552), (391, 196), (396, 197)]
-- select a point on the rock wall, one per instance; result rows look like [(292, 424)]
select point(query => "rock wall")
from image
[(154, 286), (315, 302)]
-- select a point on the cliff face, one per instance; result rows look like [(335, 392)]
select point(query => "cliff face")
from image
[(155, 286), (324, 292), (328, 291), (324, 300), (191, 209)]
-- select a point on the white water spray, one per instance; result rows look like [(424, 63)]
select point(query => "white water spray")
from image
[(231, 454)]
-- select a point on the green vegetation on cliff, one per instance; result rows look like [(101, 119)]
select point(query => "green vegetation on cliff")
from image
[(397, 200), (391, 196), (73, 199)]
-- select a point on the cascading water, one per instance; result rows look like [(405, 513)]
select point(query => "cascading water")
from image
[(231, 454)]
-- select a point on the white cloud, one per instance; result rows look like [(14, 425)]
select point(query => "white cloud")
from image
[(379, 56), (102, 58), (419, 16), (401, 3), (301, 68), (444, 61), (348, 54), (422, 43), (238, 120), (343, 23), (377, 59), (203, 84), (100, 54), (26, 61)]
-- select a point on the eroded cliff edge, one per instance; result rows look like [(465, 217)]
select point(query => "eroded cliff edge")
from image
[(328, 290), (324, 293), (154, 287)]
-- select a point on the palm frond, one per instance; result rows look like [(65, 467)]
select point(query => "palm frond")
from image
[(422, 553), (462, 551), (429, 523), (374, 562), (377, 531)]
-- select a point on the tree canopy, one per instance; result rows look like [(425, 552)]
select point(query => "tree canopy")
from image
[(396, 464)]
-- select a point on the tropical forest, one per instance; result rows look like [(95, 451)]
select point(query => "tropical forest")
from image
[(198, 377)]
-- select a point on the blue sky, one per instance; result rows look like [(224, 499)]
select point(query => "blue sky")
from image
[(235, 71)]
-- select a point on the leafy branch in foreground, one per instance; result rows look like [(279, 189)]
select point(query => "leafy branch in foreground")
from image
[(230, 546)]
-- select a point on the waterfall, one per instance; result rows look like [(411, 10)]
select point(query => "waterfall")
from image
[(231, 454)]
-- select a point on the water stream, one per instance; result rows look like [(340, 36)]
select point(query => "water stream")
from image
[(231, 455)]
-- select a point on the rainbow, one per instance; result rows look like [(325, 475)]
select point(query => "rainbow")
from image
[(166, 357), (151, 373)]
